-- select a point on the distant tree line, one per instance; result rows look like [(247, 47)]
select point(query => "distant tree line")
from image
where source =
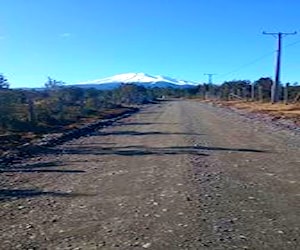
[(59, 105), (259, 90)]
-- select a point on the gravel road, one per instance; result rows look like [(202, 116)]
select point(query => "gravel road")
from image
[(176, 175)]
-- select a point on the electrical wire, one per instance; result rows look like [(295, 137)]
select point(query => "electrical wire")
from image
[(248, 64), (292, 44), (256, 60)]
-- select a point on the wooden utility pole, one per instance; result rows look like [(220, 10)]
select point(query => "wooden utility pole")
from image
[(245, 93), (260, 93), (210, 82), (275, 85), (210, 78), (253, 92), (286, 93)]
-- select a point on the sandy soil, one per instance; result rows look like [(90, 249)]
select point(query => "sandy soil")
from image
[(177, 175)]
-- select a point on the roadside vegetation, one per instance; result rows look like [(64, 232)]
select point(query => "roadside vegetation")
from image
[(255, 97), (27, 114)]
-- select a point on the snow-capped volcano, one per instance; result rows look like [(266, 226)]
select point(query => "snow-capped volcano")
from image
[(139, 79), (142, 78)]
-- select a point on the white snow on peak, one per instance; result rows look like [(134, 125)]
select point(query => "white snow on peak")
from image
[(139, 78)]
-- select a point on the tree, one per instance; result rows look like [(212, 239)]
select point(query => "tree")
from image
[(53, 84), (11, 108), (294, 92), (263, 88), (3, 82), (131, 94)]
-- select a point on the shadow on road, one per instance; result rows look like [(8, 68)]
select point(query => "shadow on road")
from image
[(136, 133), (144, 123), (140, 150), (230, 149), (13, 194), (40, 167)]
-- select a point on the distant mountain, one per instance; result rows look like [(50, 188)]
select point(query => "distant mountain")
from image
[(140, 79)]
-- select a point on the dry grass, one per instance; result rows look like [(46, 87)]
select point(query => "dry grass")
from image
[(278, 110)]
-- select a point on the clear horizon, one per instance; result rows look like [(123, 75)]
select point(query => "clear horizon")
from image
[(75, 41)]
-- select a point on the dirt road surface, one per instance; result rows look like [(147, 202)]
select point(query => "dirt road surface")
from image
[(177, 175)]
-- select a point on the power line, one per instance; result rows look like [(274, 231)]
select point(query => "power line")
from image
[(247, 64), (275, 85), (256, 60), (292, 44)]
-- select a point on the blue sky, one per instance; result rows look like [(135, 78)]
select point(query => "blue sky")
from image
[(80, 40)]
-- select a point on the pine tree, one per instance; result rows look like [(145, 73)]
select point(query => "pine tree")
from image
[(3, 82)]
